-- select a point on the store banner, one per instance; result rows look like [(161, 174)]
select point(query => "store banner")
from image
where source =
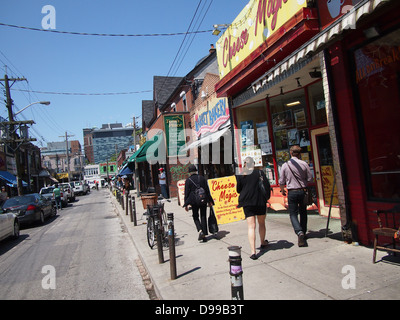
[(253, 26), (212, 116), (226, 199), (174, 133)]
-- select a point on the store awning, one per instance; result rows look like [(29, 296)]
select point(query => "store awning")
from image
[(144, 154), (11, 179), (212, 138), (316, 44), (125, 170)]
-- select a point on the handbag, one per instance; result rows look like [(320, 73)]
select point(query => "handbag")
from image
[(308, 197), (212, 222), (266, 194)]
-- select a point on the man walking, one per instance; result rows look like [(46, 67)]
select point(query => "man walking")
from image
[(296, 174), (57, 196)]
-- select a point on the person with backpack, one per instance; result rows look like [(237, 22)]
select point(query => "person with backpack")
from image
[(254, 192), (197, 195)]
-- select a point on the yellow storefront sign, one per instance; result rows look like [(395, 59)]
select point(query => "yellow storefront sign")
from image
[(226, 199), (62, 175), (256, 22)]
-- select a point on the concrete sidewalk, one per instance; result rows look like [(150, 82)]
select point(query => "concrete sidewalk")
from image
[(283, 271)]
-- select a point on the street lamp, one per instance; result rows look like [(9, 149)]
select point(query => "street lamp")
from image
[(37, 102), (14, 137)]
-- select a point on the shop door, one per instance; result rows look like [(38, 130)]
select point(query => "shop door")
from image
[(324, 173)]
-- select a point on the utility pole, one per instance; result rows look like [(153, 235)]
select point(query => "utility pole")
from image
[(136, 165), (67, 153), (13, 139)]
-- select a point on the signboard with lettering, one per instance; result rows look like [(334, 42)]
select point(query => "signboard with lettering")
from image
[(257, 22), (174, 133), (210, 118), (226, 199)]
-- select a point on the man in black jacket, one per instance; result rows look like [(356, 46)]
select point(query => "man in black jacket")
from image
[(254, 203), (192, 183)]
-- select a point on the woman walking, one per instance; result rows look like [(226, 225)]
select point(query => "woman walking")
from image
[(254, 202), (198, 200)]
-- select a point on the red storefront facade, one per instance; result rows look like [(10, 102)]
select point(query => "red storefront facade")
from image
[(354, 46), (364, 79)]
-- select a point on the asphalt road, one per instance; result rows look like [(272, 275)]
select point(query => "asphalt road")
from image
[(82, 253)]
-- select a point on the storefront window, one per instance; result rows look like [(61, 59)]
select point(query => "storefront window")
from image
[(377, 76), (317, 104), (255, 140), (290, 125)]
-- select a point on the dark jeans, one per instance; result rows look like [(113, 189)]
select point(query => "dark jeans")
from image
[(164, 190), (296, 207), (202, 223)]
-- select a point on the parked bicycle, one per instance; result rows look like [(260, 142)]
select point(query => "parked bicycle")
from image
[(157, 218)]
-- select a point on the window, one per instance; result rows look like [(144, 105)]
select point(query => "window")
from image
[(377, 77), (317, 104)]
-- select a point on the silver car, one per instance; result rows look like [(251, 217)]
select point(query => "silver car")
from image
[(9, 225)]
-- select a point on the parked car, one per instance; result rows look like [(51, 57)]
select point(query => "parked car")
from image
[(47, 192), (66, 187), (9, 225), (30, 208), (80, 188)]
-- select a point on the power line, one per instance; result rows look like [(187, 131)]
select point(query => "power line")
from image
[(105, 34), (84, 94)]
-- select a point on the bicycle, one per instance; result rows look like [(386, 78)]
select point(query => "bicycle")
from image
[(157, 218)]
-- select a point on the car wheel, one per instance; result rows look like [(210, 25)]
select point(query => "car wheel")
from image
[(16, 230), (41, 217)]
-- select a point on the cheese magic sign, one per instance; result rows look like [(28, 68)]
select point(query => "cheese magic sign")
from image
[(256, 23)]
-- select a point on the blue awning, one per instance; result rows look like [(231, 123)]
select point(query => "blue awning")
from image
[(125, 171), (11, 179)]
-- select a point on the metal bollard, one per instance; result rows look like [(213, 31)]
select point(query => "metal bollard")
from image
[(236, 271), (122, 201), (159, 241), (171, 242), (126, 203), (130, 207), (134, 211)]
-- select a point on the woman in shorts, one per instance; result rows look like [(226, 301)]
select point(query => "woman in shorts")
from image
[(253, 202)]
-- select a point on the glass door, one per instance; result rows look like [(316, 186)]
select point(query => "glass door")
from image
[(324, 173)]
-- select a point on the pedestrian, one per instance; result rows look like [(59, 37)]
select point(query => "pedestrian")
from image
[(162, 178), (253, 202), (3, 195), (196, 188), (57, 196), (296, 174)]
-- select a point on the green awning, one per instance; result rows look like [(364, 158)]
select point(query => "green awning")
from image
[(144, 154)]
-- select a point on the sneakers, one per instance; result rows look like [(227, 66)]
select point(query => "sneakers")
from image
[(302, 240)]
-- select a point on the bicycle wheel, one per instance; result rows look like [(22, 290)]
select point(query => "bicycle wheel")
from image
[(151, 234), (164, 228)]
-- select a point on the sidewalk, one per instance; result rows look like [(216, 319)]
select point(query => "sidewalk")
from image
[(283, 271)]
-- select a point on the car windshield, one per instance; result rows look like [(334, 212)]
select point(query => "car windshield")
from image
[(77, 184), (46, 190), (19, 201)]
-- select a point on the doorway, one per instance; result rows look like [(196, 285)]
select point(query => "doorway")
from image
[(324, 173)]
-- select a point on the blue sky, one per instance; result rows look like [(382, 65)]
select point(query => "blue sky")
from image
[(93, 64)]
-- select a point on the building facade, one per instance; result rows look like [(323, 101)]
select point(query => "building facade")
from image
[(319, 76)]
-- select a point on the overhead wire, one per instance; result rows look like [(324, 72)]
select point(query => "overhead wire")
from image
[(104, 34)]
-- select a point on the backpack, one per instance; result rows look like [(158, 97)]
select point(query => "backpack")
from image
[(200, 196)]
